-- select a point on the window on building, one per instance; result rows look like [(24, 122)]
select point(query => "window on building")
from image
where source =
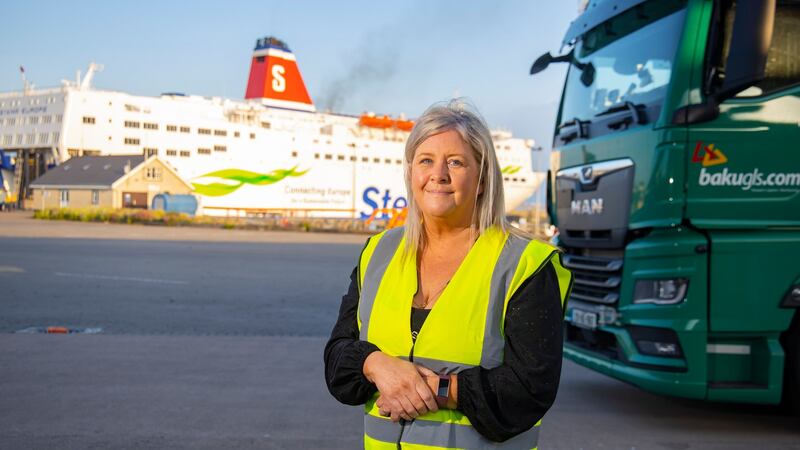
[(148, 152), (59, 118), (152, 173), (55, 136), (18, 141), (131, 124), (88, 120), (172, 128), (220, 133), (220, 148), (30, 138), (235, 134), (131, 141), (7, 139), (64, 197), (203, 131), (186, 130), (33, 120), (47, 119), (252, 135), (95, 197), (11, 121), (150, 126), (73, 152), (172, 153), (44, 138), (266, 125), (204, 151), (185, 153)]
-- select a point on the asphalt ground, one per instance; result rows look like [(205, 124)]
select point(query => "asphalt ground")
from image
[(213, 339)]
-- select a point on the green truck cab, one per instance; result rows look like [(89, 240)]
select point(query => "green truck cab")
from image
[(675, 187)]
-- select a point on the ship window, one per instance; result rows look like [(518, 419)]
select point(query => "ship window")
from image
[(294, 154), (204, 151), (172, 128), (364, 159), (316, 155), (186, 153), (172, 153), (328, 156), (260, 59), (376, 160), (353, 158), (235, 134), (88, 120), (522, 180), (150, 126), (398, 161), (514, 180), (252, 135), (220, 148), (265, 125), (203, 131), (220, 133), (340, 157), (132, 141), (185, 130), (148, 152), (131, 124), (387, 160)]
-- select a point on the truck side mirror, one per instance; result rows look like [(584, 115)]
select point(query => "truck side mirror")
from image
[(746, 62)]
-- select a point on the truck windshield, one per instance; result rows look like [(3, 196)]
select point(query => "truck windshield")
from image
[(626, 59)]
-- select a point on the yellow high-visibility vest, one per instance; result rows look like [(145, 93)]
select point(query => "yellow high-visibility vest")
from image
[(464, 329)]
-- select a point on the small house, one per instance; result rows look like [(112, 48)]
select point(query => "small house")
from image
[(119, 181)]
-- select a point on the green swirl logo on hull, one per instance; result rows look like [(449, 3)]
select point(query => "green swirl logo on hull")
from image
[(233, 179)]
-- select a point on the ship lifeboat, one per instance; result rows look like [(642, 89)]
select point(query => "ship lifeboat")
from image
[(384, 122)]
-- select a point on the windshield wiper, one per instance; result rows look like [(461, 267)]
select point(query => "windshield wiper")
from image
[(573, 129), (624, 115)]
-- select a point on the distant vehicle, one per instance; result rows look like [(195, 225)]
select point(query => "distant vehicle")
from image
[(675, 188), (8, 193)]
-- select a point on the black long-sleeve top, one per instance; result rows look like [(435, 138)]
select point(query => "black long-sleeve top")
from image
[(500, 402)]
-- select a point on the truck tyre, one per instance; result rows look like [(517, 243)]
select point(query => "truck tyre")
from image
[(791, 373)]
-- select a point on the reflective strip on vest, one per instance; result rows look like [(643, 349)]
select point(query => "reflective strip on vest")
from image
[(377, 262), (441, 435)]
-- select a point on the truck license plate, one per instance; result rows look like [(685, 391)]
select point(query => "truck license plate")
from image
[(584, 319)]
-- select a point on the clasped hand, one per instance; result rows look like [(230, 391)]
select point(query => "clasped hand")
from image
[(405, 388)]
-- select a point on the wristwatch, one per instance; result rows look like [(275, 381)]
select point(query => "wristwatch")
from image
[(442, 393)]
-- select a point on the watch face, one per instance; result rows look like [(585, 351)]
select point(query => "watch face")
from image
[(444, 385)]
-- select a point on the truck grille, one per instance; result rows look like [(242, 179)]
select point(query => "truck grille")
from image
[(595, 279)]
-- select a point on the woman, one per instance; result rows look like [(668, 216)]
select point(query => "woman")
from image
[(450, 333)]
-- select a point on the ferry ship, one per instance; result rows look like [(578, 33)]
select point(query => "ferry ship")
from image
[(271, 153)]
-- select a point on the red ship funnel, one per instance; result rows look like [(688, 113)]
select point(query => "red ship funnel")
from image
[(275, 78)]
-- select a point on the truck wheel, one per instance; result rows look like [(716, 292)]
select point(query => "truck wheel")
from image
[(791, 372)]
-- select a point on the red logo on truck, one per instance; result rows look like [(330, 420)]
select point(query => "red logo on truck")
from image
[(710, 156)]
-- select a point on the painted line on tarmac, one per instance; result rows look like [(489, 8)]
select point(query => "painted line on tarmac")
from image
[(119, 278)]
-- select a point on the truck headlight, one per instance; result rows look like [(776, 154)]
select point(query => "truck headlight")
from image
[(660, 292)]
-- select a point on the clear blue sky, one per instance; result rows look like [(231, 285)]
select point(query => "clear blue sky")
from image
[(355, 56)]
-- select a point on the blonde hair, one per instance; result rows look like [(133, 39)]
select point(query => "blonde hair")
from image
[(459, 116)]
